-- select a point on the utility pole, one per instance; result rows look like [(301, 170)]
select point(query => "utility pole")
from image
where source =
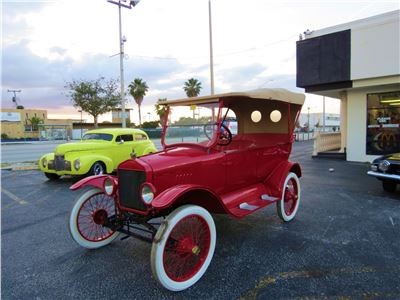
[(211, 49), (14, 99), (122, 40)]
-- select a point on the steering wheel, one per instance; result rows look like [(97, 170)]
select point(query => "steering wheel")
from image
[(225, 136)]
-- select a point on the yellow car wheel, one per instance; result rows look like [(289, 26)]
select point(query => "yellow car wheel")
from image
[(98, 168)]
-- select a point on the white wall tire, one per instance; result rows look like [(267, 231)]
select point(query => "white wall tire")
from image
[(84, 223), (183, 247), (289, 204)]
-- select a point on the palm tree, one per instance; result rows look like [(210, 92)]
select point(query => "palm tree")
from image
[(192, 87), (35, 122), (138, 89), (161, 110)]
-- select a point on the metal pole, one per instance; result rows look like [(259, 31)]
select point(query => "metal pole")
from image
[(81, 125), (121, 66), (211, 49), (323, 114), (308, 121)]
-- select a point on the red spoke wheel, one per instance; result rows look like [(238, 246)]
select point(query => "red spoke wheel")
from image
[(287, 207), (87, 218), (183, 247)]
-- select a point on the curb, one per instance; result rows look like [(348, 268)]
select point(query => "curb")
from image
[(24, 168), (20, 167)]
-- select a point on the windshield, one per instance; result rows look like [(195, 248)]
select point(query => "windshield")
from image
[(191, 124), (197, 124), (97, 136)]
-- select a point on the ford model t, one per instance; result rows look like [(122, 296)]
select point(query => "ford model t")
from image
[(222, 154)]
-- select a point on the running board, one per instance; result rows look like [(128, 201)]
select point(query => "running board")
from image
[(266, 197), (247, 206)]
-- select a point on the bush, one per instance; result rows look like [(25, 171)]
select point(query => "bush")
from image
[(152, 124), (4, 136)]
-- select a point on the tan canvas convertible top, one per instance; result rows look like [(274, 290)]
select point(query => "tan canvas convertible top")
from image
[(267, 94)]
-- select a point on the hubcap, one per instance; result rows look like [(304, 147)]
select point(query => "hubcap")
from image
[(100, 216)]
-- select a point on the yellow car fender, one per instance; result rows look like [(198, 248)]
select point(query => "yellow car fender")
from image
[(87, 162), (48, 157), (149, 150)]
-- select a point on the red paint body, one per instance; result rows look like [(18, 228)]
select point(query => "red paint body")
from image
[(219, 178)]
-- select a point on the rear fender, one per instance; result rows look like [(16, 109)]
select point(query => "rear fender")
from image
[(94, 181), (275, 182), (189, 194), (149, 149)]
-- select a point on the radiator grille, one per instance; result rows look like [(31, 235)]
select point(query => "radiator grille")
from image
[(129, 183), (59, 162)]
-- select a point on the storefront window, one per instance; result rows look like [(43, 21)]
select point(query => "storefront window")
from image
[(383, 120)]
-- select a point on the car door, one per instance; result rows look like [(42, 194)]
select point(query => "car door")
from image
[(122, 148), (141, 142)]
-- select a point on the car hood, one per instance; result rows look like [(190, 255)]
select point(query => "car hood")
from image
[(81, 146), (393, 156), (175, 157)]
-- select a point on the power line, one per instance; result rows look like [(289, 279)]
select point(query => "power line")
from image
[(217, 55)]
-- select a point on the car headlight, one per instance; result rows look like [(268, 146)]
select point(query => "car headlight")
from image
[(384, 165), (147, 193), (374, 168), (109, 186), (44, 162), (77, 164)]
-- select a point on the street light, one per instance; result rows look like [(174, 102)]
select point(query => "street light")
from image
[(122, 40)]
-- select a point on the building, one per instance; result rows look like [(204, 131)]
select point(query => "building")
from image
[(116, 115), (315, 122), (33, 124), (358, 63)]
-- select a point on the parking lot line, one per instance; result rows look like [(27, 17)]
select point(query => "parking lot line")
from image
[(13, 197)]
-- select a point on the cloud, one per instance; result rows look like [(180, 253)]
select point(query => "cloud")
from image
[(42, 80)]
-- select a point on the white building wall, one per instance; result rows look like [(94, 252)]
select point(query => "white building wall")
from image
[(357, 117), (375, 47)]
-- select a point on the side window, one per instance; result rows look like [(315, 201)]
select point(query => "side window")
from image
[(140, 137), (124, 137)]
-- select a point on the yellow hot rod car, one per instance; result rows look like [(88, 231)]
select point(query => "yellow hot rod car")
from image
[(99, 152)]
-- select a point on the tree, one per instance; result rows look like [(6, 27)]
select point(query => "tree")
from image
[(138, 89), (95, 97), (35, 121), (161, 110), (192, 87)]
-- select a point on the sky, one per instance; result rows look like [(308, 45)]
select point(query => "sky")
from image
[(48, 43)]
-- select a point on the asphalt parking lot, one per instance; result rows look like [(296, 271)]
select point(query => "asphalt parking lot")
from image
[(344, 243)]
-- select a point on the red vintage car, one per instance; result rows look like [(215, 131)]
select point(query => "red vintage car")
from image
[(222, 154)]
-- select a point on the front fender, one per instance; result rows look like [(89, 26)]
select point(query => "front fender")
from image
[(168, 197), (87, 162), (189, 194), (48, 157), (95, 181)]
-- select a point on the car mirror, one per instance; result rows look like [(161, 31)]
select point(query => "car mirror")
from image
[(121, 142)]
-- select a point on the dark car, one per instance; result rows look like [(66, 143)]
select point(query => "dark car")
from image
[(387, 169)]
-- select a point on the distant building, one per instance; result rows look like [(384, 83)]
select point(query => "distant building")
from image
[(358, 63), (17, 124), (332, 121), (116, 115)]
